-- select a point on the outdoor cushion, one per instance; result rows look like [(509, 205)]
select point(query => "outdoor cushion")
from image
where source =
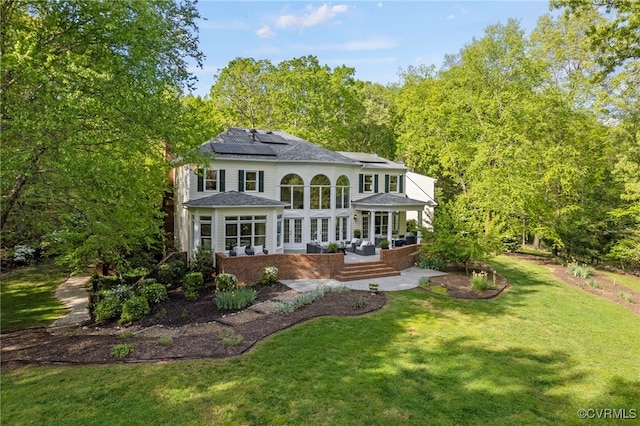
[(258, 249), (240, 250)]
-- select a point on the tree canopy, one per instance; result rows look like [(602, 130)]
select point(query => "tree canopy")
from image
[(90, 98)]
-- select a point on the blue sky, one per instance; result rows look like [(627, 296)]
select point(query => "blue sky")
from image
[(377, 38)]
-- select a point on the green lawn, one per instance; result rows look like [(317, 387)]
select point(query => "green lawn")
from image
[(536, 355), (626, 280), (27, 296)]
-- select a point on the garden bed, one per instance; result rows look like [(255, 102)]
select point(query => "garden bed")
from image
[(184, 330)]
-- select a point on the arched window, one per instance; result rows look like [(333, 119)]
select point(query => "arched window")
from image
[(292, 191), (342, 192), (320, 192)]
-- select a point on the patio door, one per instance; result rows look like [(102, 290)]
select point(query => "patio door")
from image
[(292, 234)]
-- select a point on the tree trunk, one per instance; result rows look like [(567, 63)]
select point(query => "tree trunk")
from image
[(18, 188), (536, 242)]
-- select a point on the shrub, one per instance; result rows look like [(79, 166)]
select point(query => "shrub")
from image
[(202, 261), (109, 307), (122, 292), (384, 244), (269, 275), (171, 272), (193, 283), (125, 335), (626, 296), (582, 271), (235, 299), (155, 293), (593, 283), (479, 281), (360, 302), (226, 282), (333, 247), (511, 243), (122, 350), (432, 262), (299, 301), (133, 275), (165, 341), (106, 282), (23, 255), (134, 309), (230, 337)]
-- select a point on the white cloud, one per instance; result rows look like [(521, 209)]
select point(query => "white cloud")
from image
[(451, 17), (379, 4), (265, 32), (312, 16)]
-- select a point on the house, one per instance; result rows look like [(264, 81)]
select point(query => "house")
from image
[(271, 190), (421, 187)]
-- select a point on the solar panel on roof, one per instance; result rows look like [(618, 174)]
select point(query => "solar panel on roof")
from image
[(242, 149), (271, 138)]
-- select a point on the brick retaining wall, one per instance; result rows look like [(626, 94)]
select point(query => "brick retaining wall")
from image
[(400, 258), (305, 266), (290, 266)]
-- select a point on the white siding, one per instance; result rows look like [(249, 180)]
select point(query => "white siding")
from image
[(420, 187)]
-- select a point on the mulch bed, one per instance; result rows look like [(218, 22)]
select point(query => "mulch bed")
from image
[(458, 284), (607, 288), (195, 328)]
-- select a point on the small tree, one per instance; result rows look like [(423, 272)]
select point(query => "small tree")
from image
[(458, 237)]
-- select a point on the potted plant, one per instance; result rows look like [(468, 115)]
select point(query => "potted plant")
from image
[(356, 233), (384, 244), (374, 287), (333, 247)]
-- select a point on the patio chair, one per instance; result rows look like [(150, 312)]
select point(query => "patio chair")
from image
[(366, 249)]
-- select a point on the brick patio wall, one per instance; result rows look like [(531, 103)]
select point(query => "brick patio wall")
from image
[(290, 266), (400, 258)]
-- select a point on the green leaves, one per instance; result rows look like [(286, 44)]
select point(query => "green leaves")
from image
[(90, 100)]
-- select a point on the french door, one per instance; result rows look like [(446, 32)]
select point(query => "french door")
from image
[(292, 233)]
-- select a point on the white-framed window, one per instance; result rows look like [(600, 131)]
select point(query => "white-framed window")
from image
[(211, 180), (205, 232), (368, 183), (250, 180), (244, 231), (342, 192), (320, 192), (292, 191), (393, 183)]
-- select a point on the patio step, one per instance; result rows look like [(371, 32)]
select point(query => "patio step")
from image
[(367, 270)]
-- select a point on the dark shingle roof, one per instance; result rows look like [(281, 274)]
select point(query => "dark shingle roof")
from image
[(233, 199), (285, 147), (388, 200)]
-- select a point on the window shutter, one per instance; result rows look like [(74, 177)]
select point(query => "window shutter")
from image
[(375, 184), (240, 180), (221, 178), (200, 176), (261, 181), (401, 184), (386, 183), (361, 186)]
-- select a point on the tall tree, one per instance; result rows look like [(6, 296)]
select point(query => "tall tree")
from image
[(616, 39), (90, 96)]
